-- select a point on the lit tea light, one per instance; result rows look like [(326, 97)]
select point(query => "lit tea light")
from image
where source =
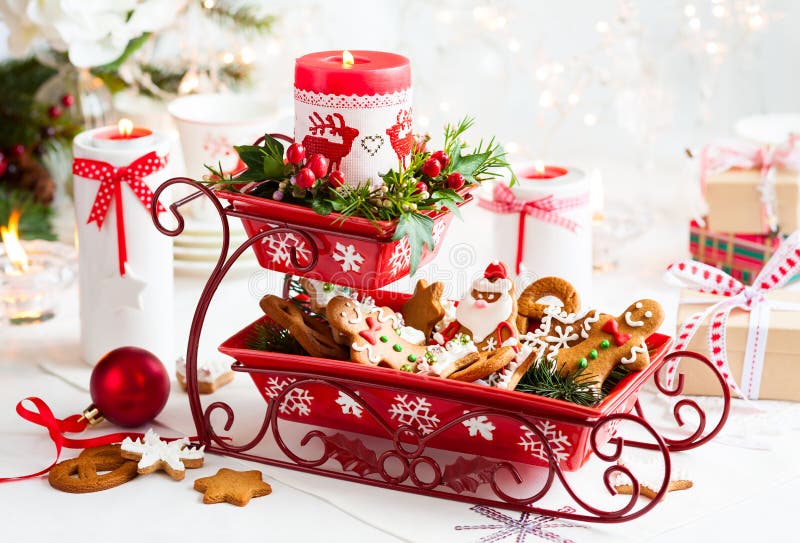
[(125, 136), (347, 59), (32, 275), (541, 171)]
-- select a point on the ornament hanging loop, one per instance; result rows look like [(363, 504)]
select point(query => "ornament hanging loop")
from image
[(92, 415)]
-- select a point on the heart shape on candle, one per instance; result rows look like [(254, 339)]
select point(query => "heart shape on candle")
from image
[(372, 144)]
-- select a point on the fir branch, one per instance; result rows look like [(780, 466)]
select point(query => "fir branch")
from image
[(543, 379), (35, 218), (271, 337), (241, 18)]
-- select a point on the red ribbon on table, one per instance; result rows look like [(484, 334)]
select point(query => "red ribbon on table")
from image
[(722, 156), (783, 265), (547, 209), (111, 180)]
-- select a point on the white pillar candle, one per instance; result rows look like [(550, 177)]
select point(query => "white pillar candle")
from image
[(130, 304), (555, 242)]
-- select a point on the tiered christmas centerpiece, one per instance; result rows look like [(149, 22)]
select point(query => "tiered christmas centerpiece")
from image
[(355, 201)]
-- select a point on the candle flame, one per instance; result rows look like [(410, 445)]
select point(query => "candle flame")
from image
[(125, 127), (539, 166), (16, 254), (347, 59)]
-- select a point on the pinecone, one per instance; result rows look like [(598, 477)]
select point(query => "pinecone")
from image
[(28, 175)]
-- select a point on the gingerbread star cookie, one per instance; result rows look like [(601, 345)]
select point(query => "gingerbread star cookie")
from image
[(374, 334), (235, 487), (153, 454), (614, 340), (424, 309), (650, 475)]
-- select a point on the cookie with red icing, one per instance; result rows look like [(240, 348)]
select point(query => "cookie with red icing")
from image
[(374, 334), (613, 341)]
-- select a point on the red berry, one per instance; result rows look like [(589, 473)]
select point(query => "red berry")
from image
[(67, 100), (455, 181), (432, 167), (336, 178), (3, 164), (318, 164), (421, 187), (305, 178), (54, 112), (18, 150), (296, 153), (442, 157)]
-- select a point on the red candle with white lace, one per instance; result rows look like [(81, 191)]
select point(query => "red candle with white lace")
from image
[(354, 107), (547, 217), (125, 264)]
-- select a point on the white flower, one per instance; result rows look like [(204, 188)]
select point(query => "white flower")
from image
[(92, 32)]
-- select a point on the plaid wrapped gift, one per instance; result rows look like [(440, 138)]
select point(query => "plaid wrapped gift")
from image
[(739, 255)]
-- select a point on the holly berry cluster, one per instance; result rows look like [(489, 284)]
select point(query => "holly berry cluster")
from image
[(308, 171), (53, 127)]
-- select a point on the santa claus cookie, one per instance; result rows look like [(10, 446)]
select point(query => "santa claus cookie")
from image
[(613, 341), (374, 334), (487, 313)]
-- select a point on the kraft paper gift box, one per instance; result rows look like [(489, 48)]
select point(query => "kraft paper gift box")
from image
[(780, 379), (734, 201)]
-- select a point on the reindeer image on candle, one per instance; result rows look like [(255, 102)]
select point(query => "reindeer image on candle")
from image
[(401, 135), (315, 142)]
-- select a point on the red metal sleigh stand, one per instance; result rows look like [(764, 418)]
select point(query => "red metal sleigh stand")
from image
[(437, 437)]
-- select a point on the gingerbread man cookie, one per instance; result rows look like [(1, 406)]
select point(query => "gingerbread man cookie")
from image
[(613, 341), (374, 335), (530, 309), (424, 309), (311, 333)]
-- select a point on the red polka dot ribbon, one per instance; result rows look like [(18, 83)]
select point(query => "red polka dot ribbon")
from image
[(547, 209), (111, 180), (783, 265)]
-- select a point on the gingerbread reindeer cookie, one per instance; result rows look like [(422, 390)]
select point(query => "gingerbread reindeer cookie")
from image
[(374, 334), (613, 341), (313, 334)]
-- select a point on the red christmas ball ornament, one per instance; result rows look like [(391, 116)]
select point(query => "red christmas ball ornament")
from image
[(305, 178), (455, 181), (54, 112), (129, 387), (67, 100), (336, 179), (296, 153), (442, 157), (18, 150), (318, 164), (432, 167)]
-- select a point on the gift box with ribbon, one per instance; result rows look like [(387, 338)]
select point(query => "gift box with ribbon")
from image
[(749, 332), (751, 189)]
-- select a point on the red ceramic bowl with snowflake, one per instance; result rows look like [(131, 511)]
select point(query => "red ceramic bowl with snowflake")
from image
[(430, 404), (352, 252)]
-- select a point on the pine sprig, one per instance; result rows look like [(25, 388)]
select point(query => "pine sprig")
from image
[(35, 218), (242, 18), (543, 379), (273, 338)]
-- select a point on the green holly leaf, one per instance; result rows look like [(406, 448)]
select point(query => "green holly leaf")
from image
[(251, 155), (419, 229), (322, 207), (467, 165), (273, 147), (273, 167), (448, 198)]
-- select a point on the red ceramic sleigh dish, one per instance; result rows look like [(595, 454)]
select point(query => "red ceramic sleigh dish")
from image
[(427, 403), (353, 252)]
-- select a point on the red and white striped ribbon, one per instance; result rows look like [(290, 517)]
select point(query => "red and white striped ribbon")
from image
[(783, 265)]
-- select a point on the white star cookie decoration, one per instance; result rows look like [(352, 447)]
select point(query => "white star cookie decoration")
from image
[(153, 453), (123, 291)]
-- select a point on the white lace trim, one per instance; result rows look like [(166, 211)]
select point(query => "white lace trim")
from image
[(353, 101)]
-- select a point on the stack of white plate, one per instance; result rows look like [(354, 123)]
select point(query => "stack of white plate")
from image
[(196, 250)]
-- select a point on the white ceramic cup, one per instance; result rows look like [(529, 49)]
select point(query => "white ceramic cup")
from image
[(211, 124)]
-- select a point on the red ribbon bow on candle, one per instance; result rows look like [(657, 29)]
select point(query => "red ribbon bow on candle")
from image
[(783, 265), (547, 209), (724, 155), (111, 180)]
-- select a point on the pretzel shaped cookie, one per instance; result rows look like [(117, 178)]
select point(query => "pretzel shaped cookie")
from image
[(86, 472), (530, 310), (312, 334)]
